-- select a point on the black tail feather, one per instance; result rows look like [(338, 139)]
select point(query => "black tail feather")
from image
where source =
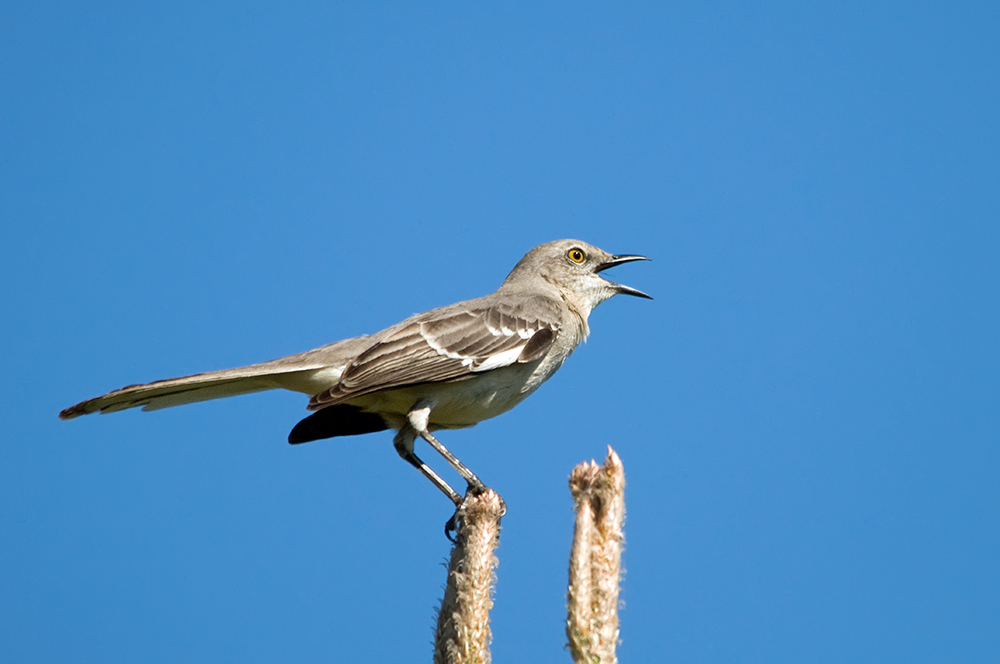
[(339, 420)]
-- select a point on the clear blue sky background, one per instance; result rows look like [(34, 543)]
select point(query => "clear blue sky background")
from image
[(808, 412)]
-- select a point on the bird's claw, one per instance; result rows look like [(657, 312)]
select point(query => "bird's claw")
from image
[(451, 527), (473, 491)]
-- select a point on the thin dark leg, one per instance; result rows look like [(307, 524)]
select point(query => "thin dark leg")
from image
[(404, 447), (417, 424), (418, 420), (475, 484)]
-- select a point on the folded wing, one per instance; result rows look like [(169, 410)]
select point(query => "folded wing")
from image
[(449, 345)]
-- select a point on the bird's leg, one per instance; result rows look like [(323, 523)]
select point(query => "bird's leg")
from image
[(417, 419), (475, 484), (404, 447)]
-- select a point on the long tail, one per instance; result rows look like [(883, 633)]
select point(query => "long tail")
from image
[(309, 373)]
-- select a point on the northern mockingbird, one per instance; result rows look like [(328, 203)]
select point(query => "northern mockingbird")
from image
[(448, 368)]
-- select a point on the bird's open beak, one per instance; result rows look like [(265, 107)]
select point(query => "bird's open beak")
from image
[(618, 260)]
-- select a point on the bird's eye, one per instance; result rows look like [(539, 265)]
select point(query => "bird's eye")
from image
[(576, 255)]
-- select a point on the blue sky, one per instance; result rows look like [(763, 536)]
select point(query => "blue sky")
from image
[(808, 412)]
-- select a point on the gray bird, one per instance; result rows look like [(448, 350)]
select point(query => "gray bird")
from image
[(447, 368)]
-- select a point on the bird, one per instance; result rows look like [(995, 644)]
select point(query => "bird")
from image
[(447, 368)]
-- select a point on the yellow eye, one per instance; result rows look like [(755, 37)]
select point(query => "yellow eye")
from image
[(576, 255)]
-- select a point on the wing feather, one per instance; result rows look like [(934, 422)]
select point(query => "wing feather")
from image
[(445, 345)]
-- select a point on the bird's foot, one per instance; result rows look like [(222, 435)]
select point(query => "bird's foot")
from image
[(474, 490), (451, 527)]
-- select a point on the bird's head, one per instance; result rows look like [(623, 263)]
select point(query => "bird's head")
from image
[(573, 267)]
